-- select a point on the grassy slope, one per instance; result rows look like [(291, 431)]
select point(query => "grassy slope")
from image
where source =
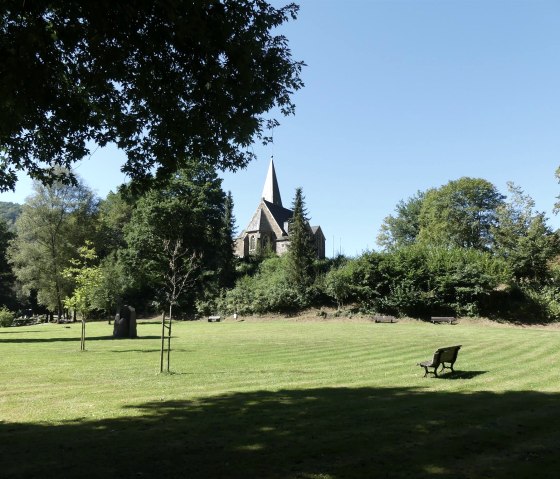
[(279, 399)]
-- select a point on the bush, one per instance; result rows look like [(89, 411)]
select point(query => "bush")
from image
[(269, 290), (6, 317), (418, 281)]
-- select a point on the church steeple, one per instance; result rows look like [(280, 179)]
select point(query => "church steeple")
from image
[(271, 192)]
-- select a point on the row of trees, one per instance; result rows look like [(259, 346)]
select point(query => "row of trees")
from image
[(467, 248), (141, 247), (463, 248)]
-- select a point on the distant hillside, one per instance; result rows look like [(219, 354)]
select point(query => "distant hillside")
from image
[(9, 212)]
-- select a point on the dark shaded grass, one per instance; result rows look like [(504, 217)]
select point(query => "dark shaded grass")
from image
[(281, 400), (327, 432)]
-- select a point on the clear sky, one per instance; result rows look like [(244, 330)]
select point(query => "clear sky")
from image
[(403, 96)]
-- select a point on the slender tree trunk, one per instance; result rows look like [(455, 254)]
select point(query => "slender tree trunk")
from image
[(83, 338), (162, 342), (169, 337)]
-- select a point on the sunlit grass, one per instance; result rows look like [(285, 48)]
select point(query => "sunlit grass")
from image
[(280, 399)]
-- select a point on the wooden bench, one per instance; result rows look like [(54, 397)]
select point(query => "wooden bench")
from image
[(443, 319), (214, 319), (385, 319), (442, 356)]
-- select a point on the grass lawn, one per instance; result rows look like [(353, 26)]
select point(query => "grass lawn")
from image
[(280, 399)]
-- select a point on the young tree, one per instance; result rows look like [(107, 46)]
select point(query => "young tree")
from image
[(300, 251), (182, 265), (88, 277), (165, 80), (56, 220)]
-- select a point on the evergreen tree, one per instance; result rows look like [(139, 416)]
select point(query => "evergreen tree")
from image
[(300, 251), (227, 276)]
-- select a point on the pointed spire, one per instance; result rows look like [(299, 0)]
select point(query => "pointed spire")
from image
[(271, 192)]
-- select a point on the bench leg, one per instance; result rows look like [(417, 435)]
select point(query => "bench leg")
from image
[(434, 372)]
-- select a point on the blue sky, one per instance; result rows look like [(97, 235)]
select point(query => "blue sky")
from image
[(403, 96)]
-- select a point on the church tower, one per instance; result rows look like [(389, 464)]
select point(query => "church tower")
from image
[(271, 192), (269, 226)]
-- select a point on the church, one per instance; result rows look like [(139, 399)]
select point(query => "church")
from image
[(270, 226)]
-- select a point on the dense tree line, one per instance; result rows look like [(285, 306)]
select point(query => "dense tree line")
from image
[(463, 248), (130, 241)]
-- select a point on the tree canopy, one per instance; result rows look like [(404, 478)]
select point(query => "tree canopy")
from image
[(189, 211), (300, 251), (402, 228), (165, 80), (461, 214), (6, 275), (9, 212), (55, 221)]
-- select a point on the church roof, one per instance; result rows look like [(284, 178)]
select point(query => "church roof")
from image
[(280, 214), (259, 222), (271, 192)]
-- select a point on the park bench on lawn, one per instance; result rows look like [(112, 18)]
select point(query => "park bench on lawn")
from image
[(385, 319), (443, 319), (441, 357), (214, 319)]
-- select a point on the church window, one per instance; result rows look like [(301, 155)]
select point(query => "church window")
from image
[(252, 244)]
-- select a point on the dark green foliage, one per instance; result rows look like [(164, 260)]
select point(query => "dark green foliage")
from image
[(460, 214), (524, 239), (269, 290), (7, 279), (190, 210), (9, 212), (300, 255), (165, 80), (115, 212), (418, 281), (227, 274), (6, 317), (56, 220)]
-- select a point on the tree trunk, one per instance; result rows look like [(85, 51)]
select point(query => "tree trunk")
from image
[(162, 342), (169, 337)]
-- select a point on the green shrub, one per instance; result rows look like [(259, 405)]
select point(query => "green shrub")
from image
[(6, 317), (269, 290), (418, 281)]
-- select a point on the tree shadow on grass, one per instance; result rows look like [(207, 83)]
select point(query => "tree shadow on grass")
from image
[(461, 375), (72, 339), (316, 433)]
